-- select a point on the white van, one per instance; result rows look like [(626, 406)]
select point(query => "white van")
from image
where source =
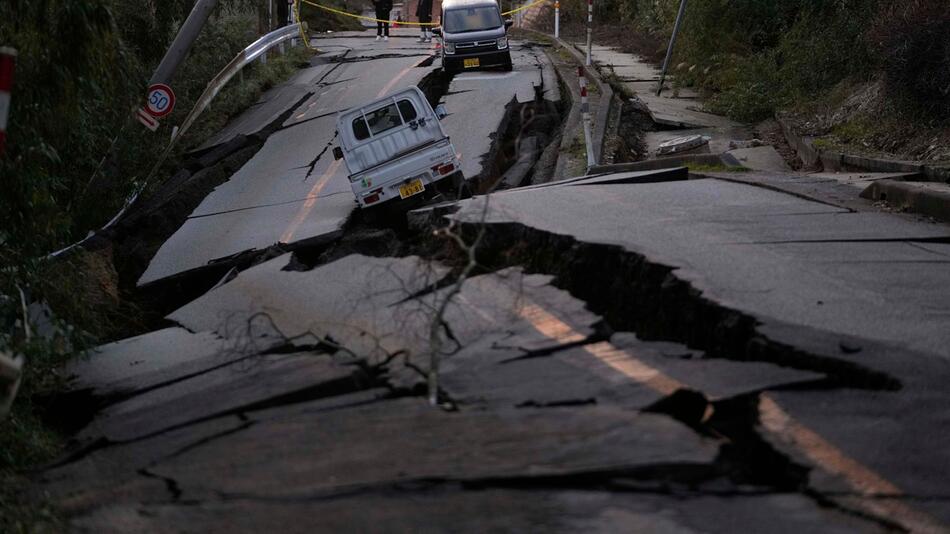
[(395, 148)]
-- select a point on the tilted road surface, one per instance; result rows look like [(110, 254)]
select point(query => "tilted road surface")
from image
[(292, 189), (637, 352)]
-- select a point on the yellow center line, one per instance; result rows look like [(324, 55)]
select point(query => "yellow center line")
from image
[(833, 460), (619, 360), (402, 74), (772, 417), (311, 201)]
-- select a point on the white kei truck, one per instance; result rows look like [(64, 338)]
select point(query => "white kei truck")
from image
[(395, 148)]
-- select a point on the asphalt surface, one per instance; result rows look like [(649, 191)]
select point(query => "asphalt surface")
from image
[(293, 190), (553, 440), (868, 289), (476, 102), (638, 352)]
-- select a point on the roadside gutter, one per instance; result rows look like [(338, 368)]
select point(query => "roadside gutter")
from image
[(606, 104), (926, 189)]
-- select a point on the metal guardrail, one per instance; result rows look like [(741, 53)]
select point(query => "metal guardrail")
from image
[(245, 57)]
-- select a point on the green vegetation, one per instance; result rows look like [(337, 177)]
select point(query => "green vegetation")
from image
[(74, 154), (754, 57), (319, 20), (706, 167)]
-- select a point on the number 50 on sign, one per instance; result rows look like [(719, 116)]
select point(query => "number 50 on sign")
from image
[(160, 100)]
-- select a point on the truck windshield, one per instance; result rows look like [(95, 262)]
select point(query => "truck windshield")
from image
[(472, 19), (383, 119)]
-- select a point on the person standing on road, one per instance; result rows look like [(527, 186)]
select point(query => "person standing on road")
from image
[(424, 12), (383, 7)]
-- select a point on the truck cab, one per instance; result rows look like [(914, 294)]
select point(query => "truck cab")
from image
[(395, 148)]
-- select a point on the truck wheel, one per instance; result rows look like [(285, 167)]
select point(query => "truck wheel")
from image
[(453, 187), (463, 189)]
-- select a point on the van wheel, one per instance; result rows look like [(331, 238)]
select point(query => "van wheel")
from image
[(507, 65)]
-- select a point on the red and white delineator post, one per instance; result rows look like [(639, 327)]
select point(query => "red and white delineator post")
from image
[(585, 114), (7, 63)]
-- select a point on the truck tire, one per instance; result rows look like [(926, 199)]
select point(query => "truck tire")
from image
[(463, 189)]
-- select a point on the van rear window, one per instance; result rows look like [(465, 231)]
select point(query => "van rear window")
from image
[(383, 119)]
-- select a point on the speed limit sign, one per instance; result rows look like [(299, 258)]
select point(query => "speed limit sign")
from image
[(160, 100)]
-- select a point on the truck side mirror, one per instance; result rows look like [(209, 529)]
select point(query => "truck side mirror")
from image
[(337, 153), (509, 23), (441, 112), (437, 32)]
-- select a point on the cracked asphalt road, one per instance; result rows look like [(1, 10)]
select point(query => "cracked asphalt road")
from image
[(545, 409), (636, 352), (292, 190)]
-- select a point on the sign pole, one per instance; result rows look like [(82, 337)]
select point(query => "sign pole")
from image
[(7, 65), (590, 21)]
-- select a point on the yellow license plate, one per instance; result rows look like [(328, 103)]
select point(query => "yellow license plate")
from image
[(412, 188), (469, 63)]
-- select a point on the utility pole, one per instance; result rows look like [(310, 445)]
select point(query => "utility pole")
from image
[(669, 51), (182, 44)]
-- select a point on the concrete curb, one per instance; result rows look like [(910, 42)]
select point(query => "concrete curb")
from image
[(606, 95), (571, 124), (910, 195), (837, 161), (666, 163), (916, 197)]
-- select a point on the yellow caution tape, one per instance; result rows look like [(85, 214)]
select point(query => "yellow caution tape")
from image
[(303, 33), (371, 19), (522, 8), (361, 17)]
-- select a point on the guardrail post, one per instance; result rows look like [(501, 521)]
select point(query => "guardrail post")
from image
[(585, 113), (7, 65), (290, 20), (557, 20), (11, 372), (590, 21)]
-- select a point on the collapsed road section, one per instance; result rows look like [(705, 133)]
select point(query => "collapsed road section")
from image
[(293, 192), (614, 382), (320, 403), (700, 356)]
